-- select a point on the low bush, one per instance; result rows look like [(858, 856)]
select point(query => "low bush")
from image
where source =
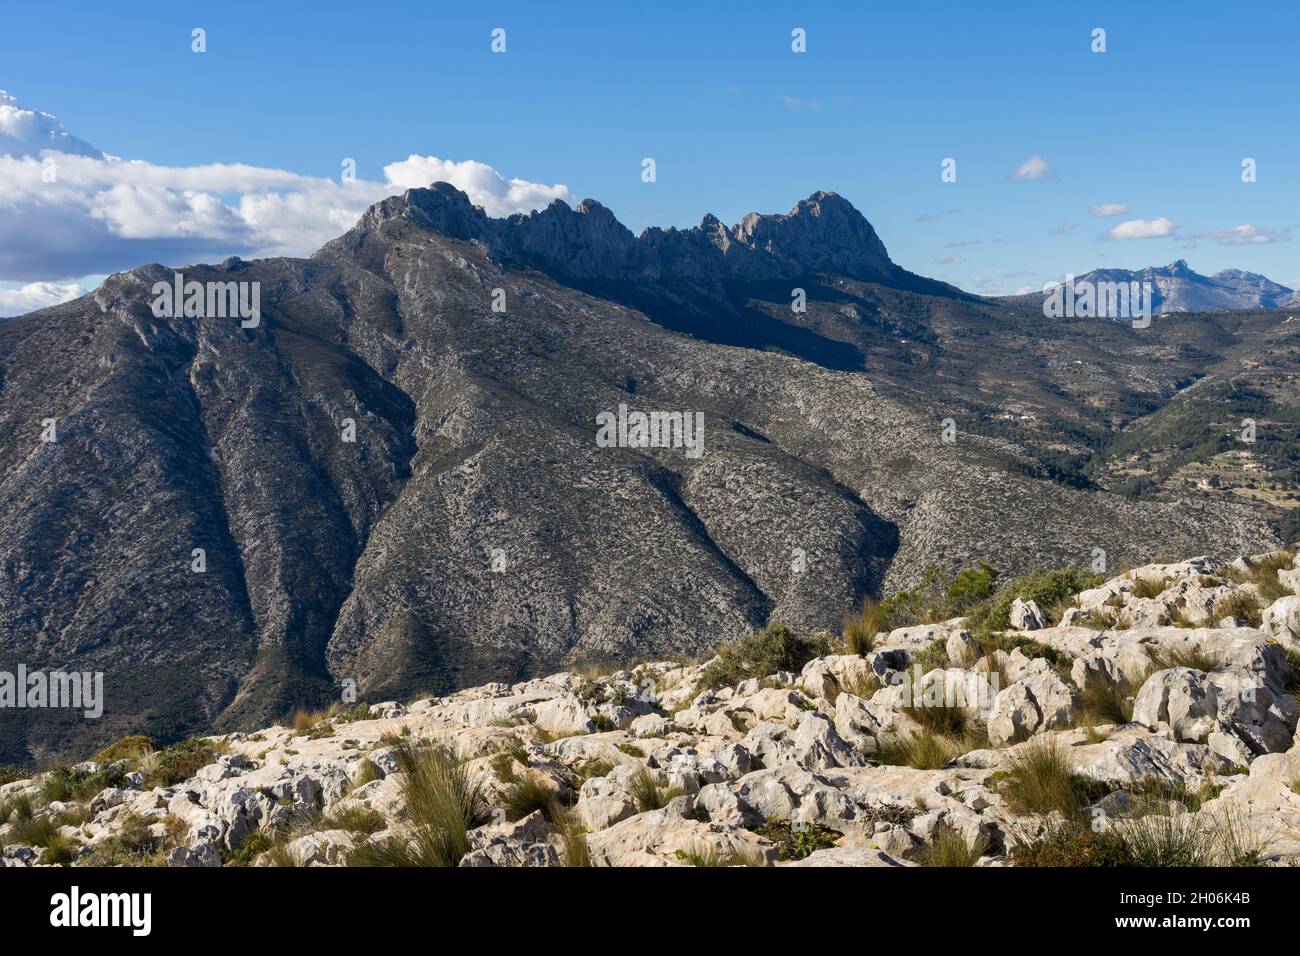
[(774, 648)]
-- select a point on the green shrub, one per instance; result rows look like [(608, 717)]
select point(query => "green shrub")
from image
[(34, 831), (178, 763), (59, 850), (573, 842), (971, 586), (64, 783), (933, 656), (648, 793), (951, 850), (922, 750), (774, 648), (1039, 779), (1181, 655), (128, 748), (861, 627), (795, 842), (1072, 846), (367, 772), (1052, 591), (443, 803), (355, 819), (1240, 605), (528, 795), (1104, 703), (699, 855), (1150, 587), (131, 843), (9, 773)]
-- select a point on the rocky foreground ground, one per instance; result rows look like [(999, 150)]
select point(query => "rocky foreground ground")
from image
[(1150, 721)]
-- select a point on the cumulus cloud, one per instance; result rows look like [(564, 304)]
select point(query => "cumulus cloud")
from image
[(1033, 168), (949, 261), (18, 299), (484, 185), (26, 132), (67, 209), (1109, 209), (1143, 229)]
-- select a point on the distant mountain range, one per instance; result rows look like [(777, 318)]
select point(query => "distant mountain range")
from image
[(1178, 288)]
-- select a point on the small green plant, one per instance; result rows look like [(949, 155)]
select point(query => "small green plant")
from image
[(34, 831), (932, 657), (1262, 572), (131, 748), (950, 849), (922, 750), (1039, 779), (60, 850), (132, 842), (65, 783), (595, 767), (648, 793), (1053, 592), (1242, 606), (355, 819), (699, 855), (179, 762), (860, 628), (367, 772), (774, 648), (1150, 587), (632, 750), (573, 842), (530, 794), (860, 685), (1104, 702), (1181, 655), (443, 803), (9, 773), (17, 809), (1072, 845), (795, 841)]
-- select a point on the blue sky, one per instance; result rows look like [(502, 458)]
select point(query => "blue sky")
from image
[(735, 120)]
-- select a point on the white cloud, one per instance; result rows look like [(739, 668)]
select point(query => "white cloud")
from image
[(1109, 209), (66, 209), (18, 299), (1244, 235), (1143, 229), (1035, 167), (950, 261), (484, 185), (25, 132)]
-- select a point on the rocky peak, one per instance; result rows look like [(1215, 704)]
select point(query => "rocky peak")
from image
[(821, 234)]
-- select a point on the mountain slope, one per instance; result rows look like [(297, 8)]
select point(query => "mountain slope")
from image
[(1178, 288), (475, 530)]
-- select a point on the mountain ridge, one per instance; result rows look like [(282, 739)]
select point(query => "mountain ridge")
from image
[(374, 560), (1179, 288)]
